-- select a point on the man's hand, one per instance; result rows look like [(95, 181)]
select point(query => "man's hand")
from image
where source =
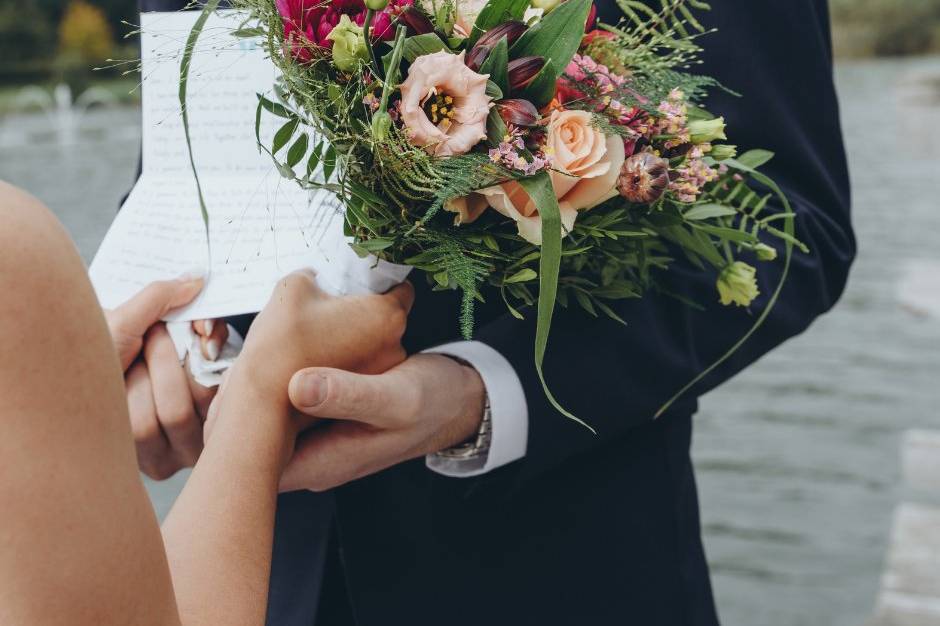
[(428, 403), (166, 406), (302, 325)]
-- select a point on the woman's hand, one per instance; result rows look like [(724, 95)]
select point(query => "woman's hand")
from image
[(302, 326), (166, 405)]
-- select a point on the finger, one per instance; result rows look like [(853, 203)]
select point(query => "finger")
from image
[(403, 294), (386, 400), (211, 343), (337, 453), (149, 439), (202, 396), (153, 302), (172, 398)]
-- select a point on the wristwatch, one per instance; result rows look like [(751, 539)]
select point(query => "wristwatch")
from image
[(478, 446)]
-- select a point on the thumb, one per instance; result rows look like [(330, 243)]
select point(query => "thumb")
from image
[(380, 400), (153, 302)]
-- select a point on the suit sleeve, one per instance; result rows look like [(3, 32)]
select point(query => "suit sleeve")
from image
[(615, 377)]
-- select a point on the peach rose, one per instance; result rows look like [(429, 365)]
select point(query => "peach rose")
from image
[(585, 167)]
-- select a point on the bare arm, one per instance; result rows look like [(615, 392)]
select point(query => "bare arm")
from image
[(253, 429), (79, 541)]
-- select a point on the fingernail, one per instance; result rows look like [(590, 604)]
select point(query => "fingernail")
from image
[(312, 390), (208, 325), (212, 349), (196, 273)]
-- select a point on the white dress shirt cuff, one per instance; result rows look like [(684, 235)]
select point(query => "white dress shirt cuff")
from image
[(508, 410)]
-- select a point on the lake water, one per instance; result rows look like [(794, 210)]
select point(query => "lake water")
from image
[(797, 457)]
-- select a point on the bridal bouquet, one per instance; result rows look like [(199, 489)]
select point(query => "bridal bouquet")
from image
[(517, 149)]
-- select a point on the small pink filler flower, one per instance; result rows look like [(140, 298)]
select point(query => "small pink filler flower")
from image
[(444, 104)]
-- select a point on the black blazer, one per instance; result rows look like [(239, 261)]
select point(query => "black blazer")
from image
[(604, 529)]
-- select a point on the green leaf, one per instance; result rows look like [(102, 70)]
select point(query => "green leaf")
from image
[(495, 128), (542, 88), (708, 211), (556, 36), (314, 159), (539, 188), (297, 150), (248, 33), (418, 46), (523, 275), (273, 107), (495, 13), (493, 90), (609, 312), (490, 242), (788, 257), (729, 234), (375, 245), (497, 65), (329, 163), (585, 302), (185, 64), (283, 135), (750, 160)]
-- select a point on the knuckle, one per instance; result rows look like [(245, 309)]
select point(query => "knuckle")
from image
[(144, 427), (177, 417)]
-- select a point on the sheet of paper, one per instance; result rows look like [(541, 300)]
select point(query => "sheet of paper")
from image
[(261, 226)]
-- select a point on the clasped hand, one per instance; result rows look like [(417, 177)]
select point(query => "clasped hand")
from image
[(329, 372)]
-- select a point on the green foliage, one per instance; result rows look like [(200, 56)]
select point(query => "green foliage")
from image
[(885, 27), (555, 38)]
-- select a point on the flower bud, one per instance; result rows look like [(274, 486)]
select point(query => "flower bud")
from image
[(737, 283), (376, 5), (545, 5), (349, 45), (511, 30), (706, 131), (644, 178), (723, 151), (591, 18), (765, 252), (518, 112), (476, 57), (381, 124), (417, 22), (523, 70)]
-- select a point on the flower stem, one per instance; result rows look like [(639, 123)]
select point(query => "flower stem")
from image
[(367, 26)]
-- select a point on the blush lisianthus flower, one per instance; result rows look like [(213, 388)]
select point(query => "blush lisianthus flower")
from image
[(585, 167), (444, 104)]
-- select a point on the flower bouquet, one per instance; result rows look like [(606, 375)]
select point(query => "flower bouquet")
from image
[(517, 149)]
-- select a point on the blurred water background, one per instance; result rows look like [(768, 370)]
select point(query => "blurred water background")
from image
[(797, 457)]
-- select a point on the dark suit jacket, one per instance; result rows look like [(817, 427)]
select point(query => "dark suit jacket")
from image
[(604, 529)]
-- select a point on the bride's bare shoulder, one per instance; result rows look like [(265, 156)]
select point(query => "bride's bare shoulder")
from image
[(39, 264)]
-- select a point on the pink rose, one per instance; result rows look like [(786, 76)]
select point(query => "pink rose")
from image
[(585, 167)]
